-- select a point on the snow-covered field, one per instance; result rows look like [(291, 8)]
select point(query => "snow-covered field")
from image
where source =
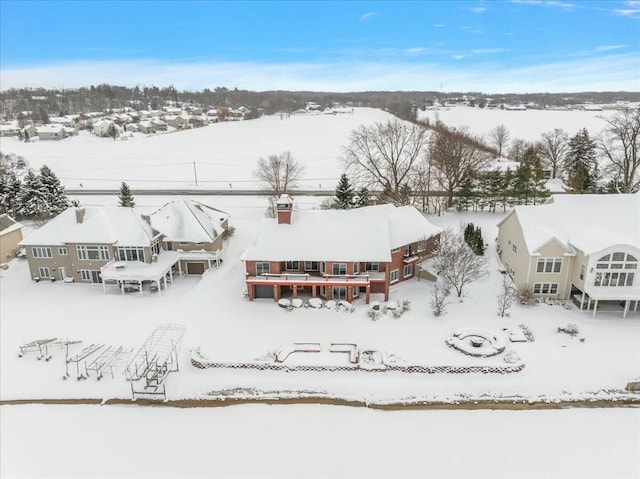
[(310, 441), (300, 440), (527, 125), (224, 153)]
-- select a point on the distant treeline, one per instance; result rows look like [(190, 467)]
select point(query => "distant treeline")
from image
[(401, 103)]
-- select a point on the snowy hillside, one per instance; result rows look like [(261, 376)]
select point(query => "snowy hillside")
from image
[(527, 124)]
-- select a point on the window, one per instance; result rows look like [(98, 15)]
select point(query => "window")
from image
[(393, 277), (513, 248), (311, 266), (62, 251), (93, 252), (372, 266), (356, 268), (92, 275), (549, 265), (262, 267), (45, 272), (408, 270), (422, 245), (355, 291), (395, 250), (183, 243), (155, 247), (611, 268), (545, 288), (582, 268), (408, 251), (340, 268), (292, 266), (130, 253), (41, 252)]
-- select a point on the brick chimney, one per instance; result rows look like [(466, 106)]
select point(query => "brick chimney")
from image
[(79, 215), (284, 206)]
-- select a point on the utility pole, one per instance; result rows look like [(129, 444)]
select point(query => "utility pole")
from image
[(195, 173)]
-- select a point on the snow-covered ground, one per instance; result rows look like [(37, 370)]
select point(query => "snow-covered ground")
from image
[(311, 441), (227, 327), (527, 125), (225, 154)]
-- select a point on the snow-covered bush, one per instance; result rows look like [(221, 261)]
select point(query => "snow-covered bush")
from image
[(525, 295), (527, 333), (571, 329), (506, 297), (438, 301), (374, 314)]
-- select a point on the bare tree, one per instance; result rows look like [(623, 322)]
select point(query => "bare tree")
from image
[(439, 301), (499, 138), (507, 296), (553, 148), (454, 155), (456, 262), (383, 155), (619, 144), (279, 172)]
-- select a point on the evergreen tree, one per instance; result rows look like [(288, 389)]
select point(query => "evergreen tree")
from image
[(362, 198), (345, 193), (125, 196), (56, 200), (466, 193), (582, 180), (478, 246), (32, 199), (582, 153), (537, 183), (9, 197)]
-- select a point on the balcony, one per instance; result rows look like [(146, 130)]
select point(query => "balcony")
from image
[(293, 278)]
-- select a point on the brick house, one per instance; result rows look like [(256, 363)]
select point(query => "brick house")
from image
[(336, 254)]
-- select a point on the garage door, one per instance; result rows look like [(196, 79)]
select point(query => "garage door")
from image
[(195, 268), (263, 291)]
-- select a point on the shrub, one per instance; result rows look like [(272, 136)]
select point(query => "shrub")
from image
[(438, 301), (527, 333), (525, 295), (571, 329)]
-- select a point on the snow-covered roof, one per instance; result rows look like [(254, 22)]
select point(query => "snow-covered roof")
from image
[(100, 225), (50, 128), (361, 234), (502, 165), (8, 224), (590, 223), (189, 220)]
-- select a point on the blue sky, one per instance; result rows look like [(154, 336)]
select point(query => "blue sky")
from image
[(490, 46)]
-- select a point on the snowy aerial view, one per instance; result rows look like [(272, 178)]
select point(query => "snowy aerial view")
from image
[(319, 240)]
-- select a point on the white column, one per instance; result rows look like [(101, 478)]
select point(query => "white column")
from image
[(626, 309), (595, 308), (581, 301), (140, 283), (159, 288), (122, 287)]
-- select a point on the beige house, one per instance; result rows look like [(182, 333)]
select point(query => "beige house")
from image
[(10, 236), (580, 247), (120, 246)]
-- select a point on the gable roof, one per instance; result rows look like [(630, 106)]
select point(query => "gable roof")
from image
[(588, 222), (189, 220), (8, 224), (100, 225), (361, 234)]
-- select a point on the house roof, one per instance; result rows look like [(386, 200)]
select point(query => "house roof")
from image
[(590, 223), (8, 224), (100, 225), (50, 128), (361, 234), (189, 220)]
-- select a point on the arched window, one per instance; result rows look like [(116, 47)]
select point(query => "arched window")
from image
[(616, 269)]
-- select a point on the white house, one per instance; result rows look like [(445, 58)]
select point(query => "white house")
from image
[(583, 247)]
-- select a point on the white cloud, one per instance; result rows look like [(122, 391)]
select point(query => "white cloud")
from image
[(460, 56), (627, 12), (366, 16), (607, 48), (488, 51), (480, 9), (610, 73), (439, 25)]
